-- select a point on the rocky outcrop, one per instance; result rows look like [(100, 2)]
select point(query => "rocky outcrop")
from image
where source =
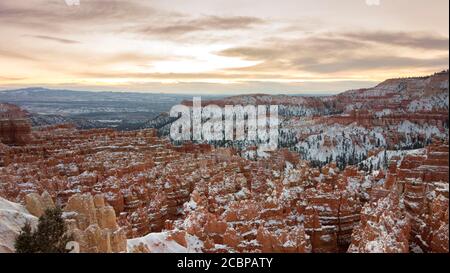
[(15, 128), (294, 241), (37, 204), (89, 219), (93, 224), (384, 228)]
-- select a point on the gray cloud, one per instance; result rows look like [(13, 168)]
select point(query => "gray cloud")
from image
[(55, 14), (373, 63), (217, 22), (205, 23), (97, 10), (114, 16), (307, 47), (338, 53), (415, 40), (54, 39)]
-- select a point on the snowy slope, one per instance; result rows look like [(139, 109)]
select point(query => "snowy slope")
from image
[(12, 218), (160, 243)]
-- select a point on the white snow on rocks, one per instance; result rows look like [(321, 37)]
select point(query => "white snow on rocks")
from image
[(13, 217), (161, 243)]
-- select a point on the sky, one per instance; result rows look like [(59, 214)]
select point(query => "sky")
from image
[(223, 47)]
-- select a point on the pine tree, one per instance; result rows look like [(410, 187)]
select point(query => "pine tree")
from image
[(51, 234), (49, 237), (25, 242)]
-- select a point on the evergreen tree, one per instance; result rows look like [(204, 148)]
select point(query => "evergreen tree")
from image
[(385, 160), (25, 242), (49, 237)]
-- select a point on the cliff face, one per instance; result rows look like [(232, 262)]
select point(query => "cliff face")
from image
[(411, 209), (396, 114), (15, 128)]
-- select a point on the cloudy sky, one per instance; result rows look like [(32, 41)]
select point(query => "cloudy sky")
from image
[(212, 46)]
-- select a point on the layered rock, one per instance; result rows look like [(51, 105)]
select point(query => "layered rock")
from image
[(37, 204), (419, 180), (93, 224), (15, 128)]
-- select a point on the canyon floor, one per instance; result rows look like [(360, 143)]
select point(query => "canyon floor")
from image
[(364, 171)]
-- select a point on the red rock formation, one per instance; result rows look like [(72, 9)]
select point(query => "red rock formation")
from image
[(93, 225), (384, 228), (14, 126)]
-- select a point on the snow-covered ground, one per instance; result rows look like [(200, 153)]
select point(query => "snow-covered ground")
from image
[(161, 243), (13, 217), (377, 160)]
